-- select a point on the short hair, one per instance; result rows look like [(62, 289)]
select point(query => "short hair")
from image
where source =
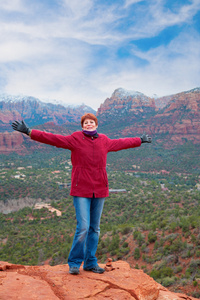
[(88, 116)]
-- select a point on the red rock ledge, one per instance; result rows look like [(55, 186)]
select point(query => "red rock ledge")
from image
[(54, 283)]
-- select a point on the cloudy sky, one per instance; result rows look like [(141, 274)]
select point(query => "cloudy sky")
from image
[(80, 51)]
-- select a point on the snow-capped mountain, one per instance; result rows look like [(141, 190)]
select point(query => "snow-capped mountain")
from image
[(35, 112)]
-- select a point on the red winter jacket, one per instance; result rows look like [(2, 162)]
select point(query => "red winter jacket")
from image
[(88, 156)]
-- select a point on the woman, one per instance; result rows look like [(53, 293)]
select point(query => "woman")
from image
[(89, 182)]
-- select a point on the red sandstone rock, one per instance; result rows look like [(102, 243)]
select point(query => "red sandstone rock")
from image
[(167, 295), (7, 266), (52, 283), (7, 116), (109, 267), (119, 100), (10, 141), (179, 118)]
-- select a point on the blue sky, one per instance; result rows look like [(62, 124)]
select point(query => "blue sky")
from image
[(80, 51)]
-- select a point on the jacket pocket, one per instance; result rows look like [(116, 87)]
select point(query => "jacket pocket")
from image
[(105, 177), (75, 179)]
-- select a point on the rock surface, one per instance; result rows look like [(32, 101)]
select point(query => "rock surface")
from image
[(123, 101), (10, 141), (176, 116), (54, 283)]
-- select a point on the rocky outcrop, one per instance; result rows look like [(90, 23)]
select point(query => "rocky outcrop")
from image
[(20, 143), (11, 141), (7, 116), (123, 101), (188, 98), (51, 283), (177, 116)]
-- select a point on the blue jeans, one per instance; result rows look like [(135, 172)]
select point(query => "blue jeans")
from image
[(88, 215)]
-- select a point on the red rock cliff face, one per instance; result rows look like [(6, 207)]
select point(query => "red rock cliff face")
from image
[(10, 141), (191, 99), (54, 283), (180, 118), (177, 115), (35, 111), (122, 100), (129, 113), (8, 116)]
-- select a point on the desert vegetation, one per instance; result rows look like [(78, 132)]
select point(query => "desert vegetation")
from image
[(154, 225)]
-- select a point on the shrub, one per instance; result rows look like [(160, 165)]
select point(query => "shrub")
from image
[(140, 239), (114, 245), (152, 237), (144, 248), (135, 234), (155, 274), (136, 266), (178, 269), (162, 272), (155, 245), (167, 281), (126, 230), (137, 253), (196, 295), (194, 283), (198, 253), (125, 245)]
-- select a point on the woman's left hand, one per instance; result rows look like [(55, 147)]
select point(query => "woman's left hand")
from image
[(145, 138)]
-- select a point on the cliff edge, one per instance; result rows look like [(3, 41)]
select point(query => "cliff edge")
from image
[(119, 282)]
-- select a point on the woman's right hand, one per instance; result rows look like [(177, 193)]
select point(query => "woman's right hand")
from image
[(21, 127)]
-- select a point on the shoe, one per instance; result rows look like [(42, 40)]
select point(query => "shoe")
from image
[(95, 269), (74, 270)]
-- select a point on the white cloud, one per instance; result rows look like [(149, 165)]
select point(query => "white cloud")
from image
[(59, 54), (164, 17), (12, 5), (131, 2), (77, 8), (170, 69)]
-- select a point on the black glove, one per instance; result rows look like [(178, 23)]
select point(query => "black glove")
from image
[(21, 127), (145, 138)]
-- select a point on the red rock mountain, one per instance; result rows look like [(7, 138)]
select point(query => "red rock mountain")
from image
[(34, 112), (176, 117), (180, 117), (123, 101), (37, 112), (53, 283)]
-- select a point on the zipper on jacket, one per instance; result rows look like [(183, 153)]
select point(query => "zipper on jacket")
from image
[(93, 161)]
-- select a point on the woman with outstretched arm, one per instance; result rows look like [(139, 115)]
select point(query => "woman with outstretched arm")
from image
[(89, 182)]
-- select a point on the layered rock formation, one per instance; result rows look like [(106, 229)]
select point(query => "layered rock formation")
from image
[(36, 112), (7, 116), (123, 101), (189, 97), (11, 141), (177, 115), (20, 143), (175, 118), (51, 283)]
